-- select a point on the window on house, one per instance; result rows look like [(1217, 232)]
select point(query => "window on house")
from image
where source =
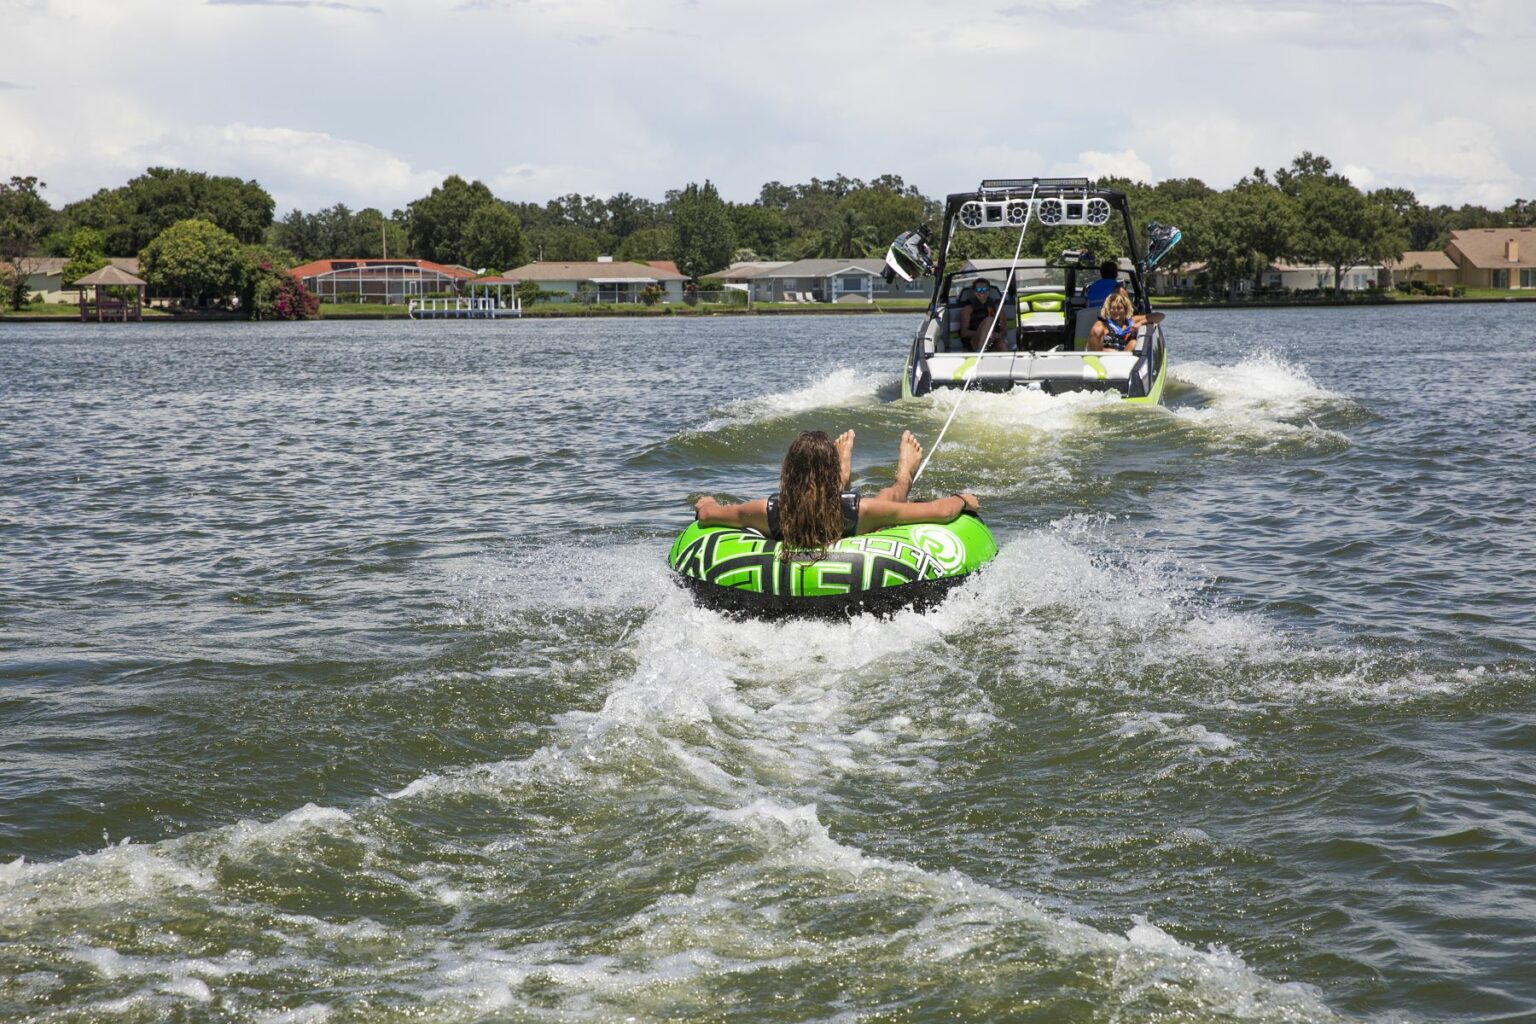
[(1528, 277), (851, 283), (1501, 279)]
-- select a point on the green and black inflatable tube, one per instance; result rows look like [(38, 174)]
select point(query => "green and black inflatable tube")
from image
[(740, 572)]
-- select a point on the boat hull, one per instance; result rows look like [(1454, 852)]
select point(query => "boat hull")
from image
[(1139, 378)]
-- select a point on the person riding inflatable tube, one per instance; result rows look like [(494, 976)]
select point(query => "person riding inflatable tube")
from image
[(743, 572), (817, 548)]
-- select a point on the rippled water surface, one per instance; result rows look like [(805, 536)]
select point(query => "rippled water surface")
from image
[(341, 680)]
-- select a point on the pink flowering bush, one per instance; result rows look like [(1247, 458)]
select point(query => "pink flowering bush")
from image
[(272, 293)]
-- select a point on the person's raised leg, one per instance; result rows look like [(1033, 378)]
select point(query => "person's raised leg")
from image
[(909, 455), (844, 446)]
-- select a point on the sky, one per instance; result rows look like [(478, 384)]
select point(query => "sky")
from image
[(374, 102)]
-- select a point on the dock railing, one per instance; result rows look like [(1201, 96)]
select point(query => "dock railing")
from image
[(466, 308)]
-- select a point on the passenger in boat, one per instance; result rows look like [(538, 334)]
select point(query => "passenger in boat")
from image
[(1116, 328), (979, 308), (1104, 287), (813, 507)]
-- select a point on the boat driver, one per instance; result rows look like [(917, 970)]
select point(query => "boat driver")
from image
[(979, 308), (1105, 286)]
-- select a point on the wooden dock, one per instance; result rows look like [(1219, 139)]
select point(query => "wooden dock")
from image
[(478, 308)]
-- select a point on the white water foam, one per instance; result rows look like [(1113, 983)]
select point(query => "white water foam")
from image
[(736, 747), (1005, 414), (311, 1014), (124, 872), (840, 388), (963, 915), (1262, 397), (1263, 378), (1170, 738), (1086, 601), (591, 579), (742, 721)]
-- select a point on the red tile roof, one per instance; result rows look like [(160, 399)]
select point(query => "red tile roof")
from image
[(583, 271), (317, 267)]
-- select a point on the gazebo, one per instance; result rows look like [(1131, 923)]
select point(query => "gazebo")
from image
[(106, 307)]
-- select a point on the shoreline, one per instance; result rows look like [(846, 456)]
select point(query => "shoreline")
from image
[(825, 310)]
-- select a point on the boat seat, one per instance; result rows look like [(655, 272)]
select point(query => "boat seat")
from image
[(1044, 309), (1085, 321), (953, 367)]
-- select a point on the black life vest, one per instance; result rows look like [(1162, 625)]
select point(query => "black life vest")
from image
[(987, 307), (850, 502)]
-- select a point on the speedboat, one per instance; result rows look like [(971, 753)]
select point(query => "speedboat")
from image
[(1044, 308)]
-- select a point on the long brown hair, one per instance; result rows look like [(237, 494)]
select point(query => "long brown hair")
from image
[(810, 497)]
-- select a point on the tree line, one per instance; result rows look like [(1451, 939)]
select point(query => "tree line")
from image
[(1302, 213), (1305, 213), (462, 222)]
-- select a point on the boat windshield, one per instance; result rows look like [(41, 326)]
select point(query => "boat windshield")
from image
[(1025, 278), (1040, 277)]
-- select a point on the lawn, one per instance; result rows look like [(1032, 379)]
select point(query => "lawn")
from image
[(1349, 299), (374, 309), (62, 310), (1501, 293)]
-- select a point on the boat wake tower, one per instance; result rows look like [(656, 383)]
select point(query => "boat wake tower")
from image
[(1046, 314)]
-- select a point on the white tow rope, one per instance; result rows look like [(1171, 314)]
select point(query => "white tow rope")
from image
[(976, 365)]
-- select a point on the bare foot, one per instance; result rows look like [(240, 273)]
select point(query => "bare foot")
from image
[(909, 456), (844, 446)]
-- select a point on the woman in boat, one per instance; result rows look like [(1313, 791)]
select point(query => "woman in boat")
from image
[(813, 507), (978, 314), (1118, 323)]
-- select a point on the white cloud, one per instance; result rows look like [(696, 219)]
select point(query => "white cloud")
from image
[(1446, 159), (1361, 177), (536, 182), (300, 168), (1124, 164), (305, 169), (324, 5), (542, 97)]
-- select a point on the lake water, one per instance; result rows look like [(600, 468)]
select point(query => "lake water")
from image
[(341, 679)]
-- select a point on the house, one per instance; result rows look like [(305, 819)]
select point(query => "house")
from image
[(604, 279), (740, 276), (835, 280), (742, 272), (1180, 280), (1494, 257), (45, 275), (389, 281), (1319, 277), (1277, 276), (1432, 266)]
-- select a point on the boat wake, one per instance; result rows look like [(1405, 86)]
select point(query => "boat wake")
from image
[(840, 388), (706, 818), (1261, 400)]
